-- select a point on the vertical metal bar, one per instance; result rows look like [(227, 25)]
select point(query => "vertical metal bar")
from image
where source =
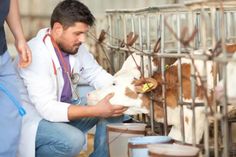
[(228, 24), (204, 45), (213, 27), (198, 37), (132, 25), (193, 95), (122, 54), (132, 22), (162, 16), (140, 33), (180, 81), (234, 28), (150, 70), (193, 84), (148, 33), (224, 120), (143, 117), (123, 17), (152, 98), (110, 26), (214, 33), (111, 32), (217, 24)]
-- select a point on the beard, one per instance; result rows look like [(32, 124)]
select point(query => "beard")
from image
[(70, 50)]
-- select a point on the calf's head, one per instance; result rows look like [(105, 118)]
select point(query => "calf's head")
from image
[(124, 94), (123, 87)]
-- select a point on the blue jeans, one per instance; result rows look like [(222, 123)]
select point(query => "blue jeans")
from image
[(10, 120), (67, 139)]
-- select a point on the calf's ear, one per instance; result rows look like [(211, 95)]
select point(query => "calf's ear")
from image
[(145, 85)]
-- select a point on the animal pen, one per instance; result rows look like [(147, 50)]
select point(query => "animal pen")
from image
[(175, 31)]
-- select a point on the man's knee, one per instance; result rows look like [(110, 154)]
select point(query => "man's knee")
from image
[(76, 143), (68, 146), (61, 140)]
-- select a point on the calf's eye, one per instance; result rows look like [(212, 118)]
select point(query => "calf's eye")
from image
[(113, 83)]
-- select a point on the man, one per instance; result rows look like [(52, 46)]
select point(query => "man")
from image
[(10, 120), (56, 124)]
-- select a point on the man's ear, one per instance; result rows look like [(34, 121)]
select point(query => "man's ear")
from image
[(58, 28)]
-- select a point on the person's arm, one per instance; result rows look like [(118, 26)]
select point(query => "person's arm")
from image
[(14, 23), (102, 109)]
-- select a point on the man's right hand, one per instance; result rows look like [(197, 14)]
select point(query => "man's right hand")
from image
[(106, 109)]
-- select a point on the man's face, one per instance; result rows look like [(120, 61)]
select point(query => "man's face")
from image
[(72, 37)]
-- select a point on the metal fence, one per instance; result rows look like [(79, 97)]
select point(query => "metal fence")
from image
[(215, 23)]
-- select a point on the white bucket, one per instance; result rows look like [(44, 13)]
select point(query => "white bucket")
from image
[(118, 135), (137, 146), (172, 150)]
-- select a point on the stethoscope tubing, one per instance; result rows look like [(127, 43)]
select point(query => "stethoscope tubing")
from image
[(15, 102), (68, 73)]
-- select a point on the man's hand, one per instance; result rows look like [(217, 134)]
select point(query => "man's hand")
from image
[(24, 53), (106, 109)]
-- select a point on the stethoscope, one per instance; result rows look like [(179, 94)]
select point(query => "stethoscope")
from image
[(72, 77), (16, 103)]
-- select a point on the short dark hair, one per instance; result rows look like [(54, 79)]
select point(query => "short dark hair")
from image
[(68, 12)]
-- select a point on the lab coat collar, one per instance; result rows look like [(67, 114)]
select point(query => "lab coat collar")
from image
[(49, 46)]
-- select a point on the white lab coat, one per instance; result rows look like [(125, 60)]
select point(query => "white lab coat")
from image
[(42, 85)]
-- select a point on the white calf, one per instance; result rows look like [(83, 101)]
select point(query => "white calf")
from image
[(231, 83)]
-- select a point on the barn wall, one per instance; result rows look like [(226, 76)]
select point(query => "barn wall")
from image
[(36, 14)]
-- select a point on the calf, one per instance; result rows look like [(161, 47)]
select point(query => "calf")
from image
[(173, 108), (124, 89), (129, 93), (231, 82), (230, 90)]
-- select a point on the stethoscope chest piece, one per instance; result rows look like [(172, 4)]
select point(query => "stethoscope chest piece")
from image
[(75, 78)]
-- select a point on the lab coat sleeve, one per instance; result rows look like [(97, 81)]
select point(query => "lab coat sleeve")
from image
[(41, 86), (92, 72)]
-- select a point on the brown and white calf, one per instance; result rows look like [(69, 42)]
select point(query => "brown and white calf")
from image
[(126, 91)]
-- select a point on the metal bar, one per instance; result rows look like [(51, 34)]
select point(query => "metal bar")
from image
[(163, 78), (193, 84), (159, 8), (215, 125), (148, 32), (224, 120), (180, 93), (140, 33), (204, 45)]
